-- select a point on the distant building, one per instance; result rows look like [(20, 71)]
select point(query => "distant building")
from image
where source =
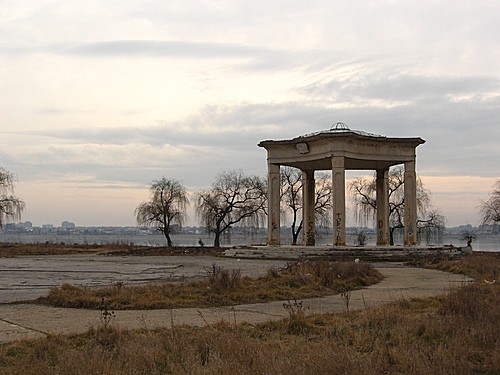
[(27, 226), (68, 225)]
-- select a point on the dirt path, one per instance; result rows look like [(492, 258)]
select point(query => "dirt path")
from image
[(24, 321)]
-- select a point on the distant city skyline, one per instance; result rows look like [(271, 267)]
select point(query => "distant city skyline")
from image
[(99, 98)]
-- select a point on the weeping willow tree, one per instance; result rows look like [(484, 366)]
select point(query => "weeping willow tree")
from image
[(430, 223), (11, 206), (234, 198), (490, 209), (166, 207)]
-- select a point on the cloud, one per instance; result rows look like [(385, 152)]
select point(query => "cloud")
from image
[(158, 48), (458, 116), (236, 54), (402, 88)]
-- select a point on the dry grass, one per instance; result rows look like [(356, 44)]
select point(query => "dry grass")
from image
[(223, 288), (453, 334), (17, 249), (456, 333), (479, 266)]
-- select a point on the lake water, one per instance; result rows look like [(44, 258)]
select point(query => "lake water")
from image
[(482, 243)]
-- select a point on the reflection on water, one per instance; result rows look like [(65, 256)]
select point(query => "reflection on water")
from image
[(482, 243)]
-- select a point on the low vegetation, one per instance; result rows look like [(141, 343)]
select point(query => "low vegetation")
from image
[(48, 248), (223, 288), (456, 333), (483, 267)]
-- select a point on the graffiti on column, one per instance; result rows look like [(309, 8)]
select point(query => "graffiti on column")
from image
[(274, 184), (338, 239), (310, 240), (381, 230), (410, 224)]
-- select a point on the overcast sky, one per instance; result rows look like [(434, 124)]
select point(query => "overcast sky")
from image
[(99, 98)]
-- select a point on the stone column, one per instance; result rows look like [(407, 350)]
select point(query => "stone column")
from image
[(410, 190), (338, 182), (273, 218), (382, 207), (308, 204)]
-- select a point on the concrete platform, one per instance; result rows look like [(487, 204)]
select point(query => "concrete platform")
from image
[(365, 253)]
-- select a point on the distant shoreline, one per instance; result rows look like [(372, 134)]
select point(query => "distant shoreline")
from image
[(485, 242)]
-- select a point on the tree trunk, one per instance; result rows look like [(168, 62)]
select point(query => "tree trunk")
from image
[(217, 239), (169, 240), (294, 236), (295, 233), (218, 231)]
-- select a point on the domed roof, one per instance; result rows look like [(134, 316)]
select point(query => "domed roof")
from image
[(340, 128)]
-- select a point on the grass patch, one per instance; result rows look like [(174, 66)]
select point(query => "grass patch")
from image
[(222, 287), (480, 265), (457, 333), (17, 249)]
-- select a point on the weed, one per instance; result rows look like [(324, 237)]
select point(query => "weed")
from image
[(106, 316), (117, 286), (345, 295), (204, 352), (297, 324), (295, 310), (221, 279)]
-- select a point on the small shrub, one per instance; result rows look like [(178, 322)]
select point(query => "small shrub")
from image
[(345, 295), (106, 316), (297, 323), (221, 279)]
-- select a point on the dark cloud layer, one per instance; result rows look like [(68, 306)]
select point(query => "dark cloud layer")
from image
[(462, 137)]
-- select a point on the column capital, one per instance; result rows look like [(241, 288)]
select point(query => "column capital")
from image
[(410, 166), (338, 161)]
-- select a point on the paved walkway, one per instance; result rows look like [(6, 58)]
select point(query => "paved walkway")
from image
[(25, 321)]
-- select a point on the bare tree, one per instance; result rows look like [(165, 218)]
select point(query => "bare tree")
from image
[(234, 198), (469, 234), (323, 200), (431, 226), (363, 194), (490, 209), (167, 206), (291, 198), (11, 206)]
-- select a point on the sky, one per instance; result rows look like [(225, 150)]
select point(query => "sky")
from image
[(100, 98)]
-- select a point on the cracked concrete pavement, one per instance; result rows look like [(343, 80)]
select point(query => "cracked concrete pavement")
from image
[(24, 321)]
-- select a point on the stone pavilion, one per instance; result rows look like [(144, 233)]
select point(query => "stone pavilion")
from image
[(340, 149)]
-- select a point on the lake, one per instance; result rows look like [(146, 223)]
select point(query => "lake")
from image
[(482, 243)]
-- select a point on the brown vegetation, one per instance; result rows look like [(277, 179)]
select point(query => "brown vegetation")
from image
[(480, 266), (453, 334), (223, 288), (456, 333), (16, 249)]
